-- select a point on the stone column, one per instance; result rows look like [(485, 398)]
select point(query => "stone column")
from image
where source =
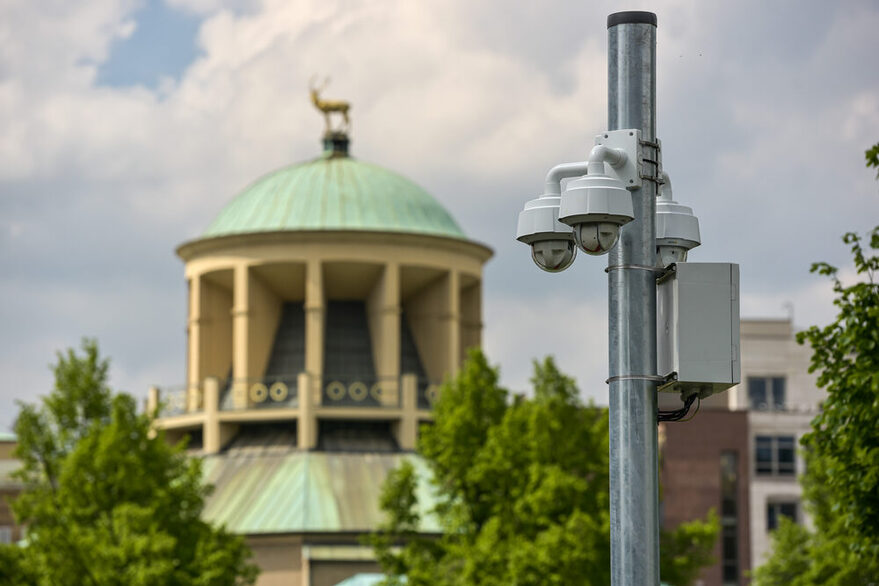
[(471, 316), (211, 425), (315, 310), (409, 420), (384, 318), (306, 564), (240, 336), (307, 424), (454, 322), (193, 327)]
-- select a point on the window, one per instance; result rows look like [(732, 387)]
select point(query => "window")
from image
[(767, 393), (5, 534), (774, 512), (775, 455), (729, 481)]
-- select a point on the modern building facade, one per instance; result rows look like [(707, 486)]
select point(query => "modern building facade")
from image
[(327, 302), (754, 429), (781, 399)]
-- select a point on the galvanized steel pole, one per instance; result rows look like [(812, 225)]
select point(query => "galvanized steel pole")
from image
[(634, 482)]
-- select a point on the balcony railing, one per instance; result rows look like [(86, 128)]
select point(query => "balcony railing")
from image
[(360, 391), (272, 392), (428, 393), (180, 400), (283, 392)]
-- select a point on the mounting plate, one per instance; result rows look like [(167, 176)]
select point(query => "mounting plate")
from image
[(629, 140)]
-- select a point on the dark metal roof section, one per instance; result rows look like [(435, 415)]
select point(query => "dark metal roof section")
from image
[(410, 360), (347, 343), (288, 349), (356, 436)]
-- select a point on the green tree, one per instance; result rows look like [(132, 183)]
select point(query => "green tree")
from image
[(686, 549), (872, 156), (522, 487), (107, 500), (841, 482)]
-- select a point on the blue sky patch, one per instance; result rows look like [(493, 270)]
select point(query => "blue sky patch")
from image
[(162, 45)]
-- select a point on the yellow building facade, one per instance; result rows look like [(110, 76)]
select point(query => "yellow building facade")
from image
[(327, 302)]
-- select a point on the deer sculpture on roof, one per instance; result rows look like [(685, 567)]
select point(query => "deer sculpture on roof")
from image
[(329, 106)]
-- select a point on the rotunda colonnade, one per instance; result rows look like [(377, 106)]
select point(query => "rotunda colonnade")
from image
[(354, 310)]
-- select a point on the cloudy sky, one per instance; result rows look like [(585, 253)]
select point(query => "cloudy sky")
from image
[(128, 124)]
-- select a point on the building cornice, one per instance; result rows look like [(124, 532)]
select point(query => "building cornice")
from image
[(206, 246)]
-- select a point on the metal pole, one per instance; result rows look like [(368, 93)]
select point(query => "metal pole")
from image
[(634, 479)]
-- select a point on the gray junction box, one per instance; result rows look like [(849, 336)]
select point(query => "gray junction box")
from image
[(698, 328)]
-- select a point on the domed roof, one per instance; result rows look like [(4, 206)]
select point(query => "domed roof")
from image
[(334, 192)]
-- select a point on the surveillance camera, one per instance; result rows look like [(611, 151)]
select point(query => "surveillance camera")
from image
[(596, 206), (667, 254), (553, 256), (552, 243), (596, 238), (677, 228)]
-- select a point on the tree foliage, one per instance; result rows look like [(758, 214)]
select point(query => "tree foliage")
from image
[(687, 549), (523, 491), (872, 156), (841, 483), (106, 500)]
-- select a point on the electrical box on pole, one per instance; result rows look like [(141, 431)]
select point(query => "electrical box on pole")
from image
[(698, 328)]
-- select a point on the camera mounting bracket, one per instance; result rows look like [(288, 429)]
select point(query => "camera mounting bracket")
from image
[(643, 158)]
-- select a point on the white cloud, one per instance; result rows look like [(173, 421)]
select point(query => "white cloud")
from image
[(473, 101), (56, 43)]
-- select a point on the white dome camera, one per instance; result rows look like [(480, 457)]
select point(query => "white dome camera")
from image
[(553, 256), (677, 228), (552, 243), (596, 206), (593, 207)]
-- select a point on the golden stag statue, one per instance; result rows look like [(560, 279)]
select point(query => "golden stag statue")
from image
[(329, 106)]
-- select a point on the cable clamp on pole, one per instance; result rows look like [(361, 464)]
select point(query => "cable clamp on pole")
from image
[(635, 267), (648, 377)]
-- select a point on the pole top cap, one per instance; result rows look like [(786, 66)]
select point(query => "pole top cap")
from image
[(631, 17)]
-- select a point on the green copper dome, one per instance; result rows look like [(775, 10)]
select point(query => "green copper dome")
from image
[(334, 192)]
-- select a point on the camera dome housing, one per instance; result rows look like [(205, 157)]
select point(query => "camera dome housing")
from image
[(596, 206), (552, 243), (677, 228), (553, 256), (596, 238)]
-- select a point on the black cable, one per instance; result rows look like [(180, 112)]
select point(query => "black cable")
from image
[(698, 405), (678, 414)]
